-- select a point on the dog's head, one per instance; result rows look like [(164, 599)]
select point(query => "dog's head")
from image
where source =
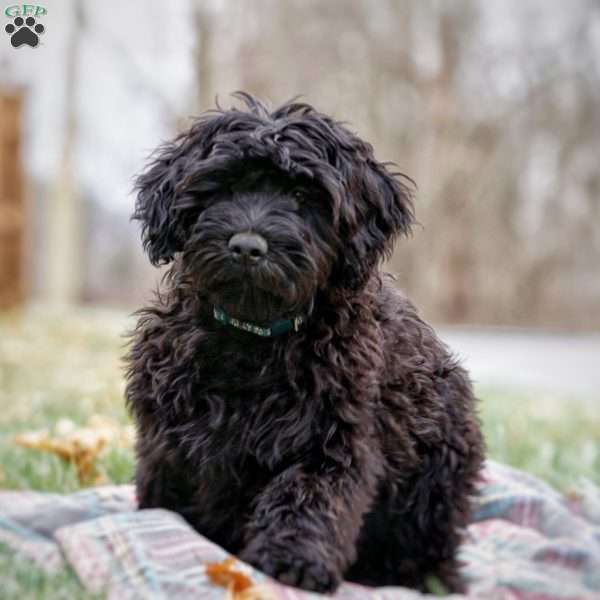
[(268, 208)]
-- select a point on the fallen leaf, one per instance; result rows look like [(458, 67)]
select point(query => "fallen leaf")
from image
[(239, 586), (226, 575), (80, 446)]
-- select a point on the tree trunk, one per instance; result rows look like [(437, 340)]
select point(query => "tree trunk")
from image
[(63, 276)]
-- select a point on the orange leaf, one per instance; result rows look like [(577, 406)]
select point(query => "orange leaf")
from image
[(226, 575)]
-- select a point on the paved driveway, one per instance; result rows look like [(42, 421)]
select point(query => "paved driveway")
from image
[(565, 364)]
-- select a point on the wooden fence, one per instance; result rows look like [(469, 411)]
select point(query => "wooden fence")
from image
[(12, 206)]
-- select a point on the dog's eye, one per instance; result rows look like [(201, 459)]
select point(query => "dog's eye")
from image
[(300, 194)]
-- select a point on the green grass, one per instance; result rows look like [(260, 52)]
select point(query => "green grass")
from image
[(557, 439), (56, 365), (53, 366), (19, 580)]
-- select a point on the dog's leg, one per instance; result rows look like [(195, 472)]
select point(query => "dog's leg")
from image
[(153, 478), (304, 526), (411, 536), (159, 480), (434, 507), (434, 518)]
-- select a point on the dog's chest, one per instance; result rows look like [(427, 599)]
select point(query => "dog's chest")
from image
[(232, 431)]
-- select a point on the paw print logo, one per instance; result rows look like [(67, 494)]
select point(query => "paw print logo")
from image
[(24, 31)]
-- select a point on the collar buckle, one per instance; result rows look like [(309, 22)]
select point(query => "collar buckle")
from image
[(297, 321)]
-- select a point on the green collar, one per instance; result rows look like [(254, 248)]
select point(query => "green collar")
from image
[(276, 328)]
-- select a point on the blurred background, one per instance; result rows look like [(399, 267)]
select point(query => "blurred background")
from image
[(492, 107)]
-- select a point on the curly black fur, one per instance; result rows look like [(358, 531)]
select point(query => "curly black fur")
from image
[(348, 449)]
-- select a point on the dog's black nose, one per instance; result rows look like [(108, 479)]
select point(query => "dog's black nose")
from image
[(248, 247)]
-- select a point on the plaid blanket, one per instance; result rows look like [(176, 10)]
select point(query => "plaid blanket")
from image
[(526, 541)]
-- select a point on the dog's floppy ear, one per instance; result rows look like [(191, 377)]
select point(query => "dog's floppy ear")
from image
[(382, 204), (163, 229)]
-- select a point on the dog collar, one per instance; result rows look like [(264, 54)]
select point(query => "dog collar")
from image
[(276, 328)]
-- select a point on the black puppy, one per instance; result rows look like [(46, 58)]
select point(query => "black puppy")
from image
[(290, 403)]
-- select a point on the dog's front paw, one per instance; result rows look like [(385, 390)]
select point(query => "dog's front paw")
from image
[(292, 566)]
